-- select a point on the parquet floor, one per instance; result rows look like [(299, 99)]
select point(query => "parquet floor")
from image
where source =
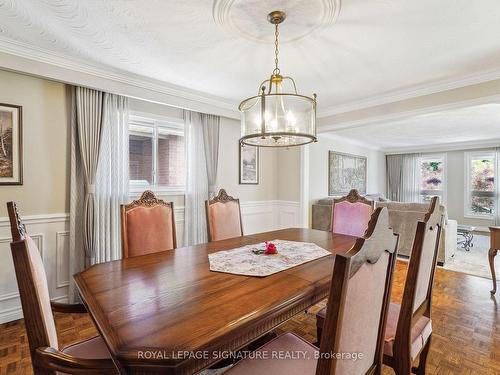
[(466, 322)]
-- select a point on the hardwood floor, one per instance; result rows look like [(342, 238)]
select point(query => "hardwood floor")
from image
[(466, 323)]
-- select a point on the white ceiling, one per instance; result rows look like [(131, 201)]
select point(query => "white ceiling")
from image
[(358, 52), (466, 126)]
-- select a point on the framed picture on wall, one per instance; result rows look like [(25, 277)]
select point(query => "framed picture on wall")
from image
[(11, 145), (249, 165), (346, 172)]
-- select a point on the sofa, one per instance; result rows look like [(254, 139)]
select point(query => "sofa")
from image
[(403, 219)]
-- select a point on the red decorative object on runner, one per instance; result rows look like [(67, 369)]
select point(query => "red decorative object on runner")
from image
[(270, 248)]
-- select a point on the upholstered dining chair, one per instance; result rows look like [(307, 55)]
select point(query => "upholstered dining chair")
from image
[(223, 217), (350, 214), (355, 322), (86, 357), (148, 226), (409, 326)]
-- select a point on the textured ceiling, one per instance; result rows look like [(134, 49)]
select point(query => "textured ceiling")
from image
[(357, 50), (473, 124)]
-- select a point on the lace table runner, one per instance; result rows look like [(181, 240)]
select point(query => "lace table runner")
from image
[(242, 261)]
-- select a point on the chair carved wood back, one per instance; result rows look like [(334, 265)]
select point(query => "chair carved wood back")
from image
[(359, 299), (351, 214), (223, 214), (148, 225), (417, 294), (32, 283)]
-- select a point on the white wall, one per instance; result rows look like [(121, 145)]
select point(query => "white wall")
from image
[(43, 199)]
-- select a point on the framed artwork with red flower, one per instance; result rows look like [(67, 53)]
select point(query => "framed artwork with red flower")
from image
[(11, 145)]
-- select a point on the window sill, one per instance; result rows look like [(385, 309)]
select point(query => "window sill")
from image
[(137, 191), (480, 217)]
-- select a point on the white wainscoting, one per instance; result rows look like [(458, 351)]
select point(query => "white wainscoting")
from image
[(51, 233)]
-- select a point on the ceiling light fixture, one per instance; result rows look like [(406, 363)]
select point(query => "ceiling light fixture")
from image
[(275, 118)]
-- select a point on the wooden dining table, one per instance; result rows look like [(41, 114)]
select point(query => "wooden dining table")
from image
[(168, 313)]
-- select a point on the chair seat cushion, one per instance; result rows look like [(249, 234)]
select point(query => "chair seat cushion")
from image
[(265, 360), (320, 317), (419, 334), (93, 348)]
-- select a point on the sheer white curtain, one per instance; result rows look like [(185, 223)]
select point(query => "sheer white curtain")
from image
[(410, 178), (202, 147), (112, 180)]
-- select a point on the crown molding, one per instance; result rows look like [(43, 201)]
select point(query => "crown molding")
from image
[(169, 94), (417, 91), (181, 97), (350, 141), (444, 147), (324, 125)]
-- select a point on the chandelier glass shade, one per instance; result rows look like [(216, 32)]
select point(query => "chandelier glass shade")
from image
[(278, 116)]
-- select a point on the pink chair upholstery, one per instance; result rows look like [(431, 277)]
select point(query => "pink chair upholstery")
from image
[(148, 226), (93, 348), (416, 308), (355, 321), (420, 332), (351, 214), (42, 289), (88, 349), (223, 217)]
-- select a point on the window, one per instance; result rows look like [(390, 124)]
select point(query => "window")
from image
[(432, 170), (156, 155), (480, 182)]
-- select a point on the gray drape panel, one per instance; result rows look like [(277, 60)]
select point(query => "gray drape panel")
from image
[(77, 195), (210, 125), (89, 122), (403, 177), (394, 165)]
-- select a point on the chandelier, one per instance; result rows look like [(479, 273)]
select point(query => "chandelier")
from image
[(276, 117)]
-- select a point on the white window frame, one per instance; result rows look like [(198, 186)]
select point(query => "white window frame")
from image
[(468, 156), (156, 123), (444, 190)]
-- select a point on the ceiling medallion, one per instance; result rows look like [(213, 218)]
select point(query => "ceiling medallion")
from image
[(243, 17), (275, 117)]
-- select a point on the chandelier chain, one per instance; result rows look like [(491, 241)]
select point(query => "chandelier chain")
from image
[(276, 50)]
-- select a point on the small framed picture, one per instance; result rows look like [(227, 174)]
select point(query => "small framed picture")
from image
[(11, 144), (249, 165)]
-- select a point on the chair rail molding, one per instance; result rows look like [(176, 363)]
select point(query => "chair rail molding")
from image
[(50, 232)]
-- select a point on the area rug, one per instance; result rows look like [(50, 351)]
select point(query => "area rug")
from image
[(473, 262)]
